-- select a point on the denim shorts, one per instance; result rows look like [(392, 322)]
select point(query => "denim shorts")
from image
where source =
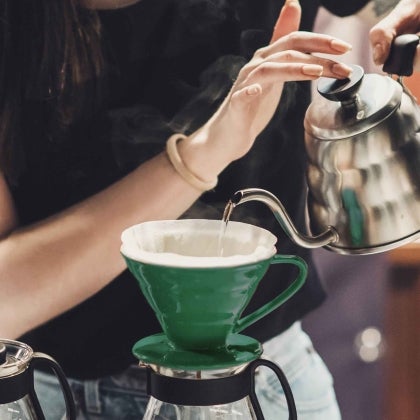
[(307, 374), (124, 396)]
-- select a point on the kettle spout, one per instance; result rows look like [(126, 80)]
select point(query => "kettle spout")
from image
[(255, 194)]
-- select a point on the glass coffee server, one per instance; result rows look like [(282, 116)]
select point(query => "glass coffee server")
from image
[(199, 276), (18, 399)]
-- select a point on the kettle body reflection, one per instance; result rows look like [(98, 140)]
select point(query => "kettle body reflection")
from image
[(18, 400)]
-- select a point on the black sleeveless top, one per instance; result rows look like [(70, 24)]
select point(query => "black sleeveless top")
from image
[(169, 64)]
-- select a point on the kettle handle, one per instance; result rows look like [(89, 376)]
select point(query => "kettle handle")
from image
[(41, 358), (401, 55), (284, 384)]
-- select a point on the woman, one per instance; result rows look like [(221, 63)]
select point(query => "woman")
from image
[(90, 92)]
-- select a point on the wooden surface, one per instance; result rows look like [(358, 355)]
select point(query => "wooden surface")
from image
[(406, 256), (413, 84), (402, 329)]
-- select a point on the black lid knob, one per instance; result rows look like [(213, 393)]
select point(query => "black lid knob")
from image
[(341, 90), (401, 55)]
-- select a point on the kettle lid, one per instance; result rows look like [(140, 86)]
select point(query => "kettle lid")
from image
[(351, 106), (14, 357)]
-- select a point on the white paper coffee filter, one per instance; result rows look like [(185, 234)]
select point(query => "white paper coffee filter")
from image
[(197, 243)]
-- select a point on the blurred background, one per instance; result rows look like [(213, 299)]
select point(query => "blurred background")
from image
[(368, 331)]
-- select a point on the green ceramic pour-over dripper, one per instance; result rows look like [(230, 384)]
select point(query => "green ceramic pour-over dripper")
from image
[(199, 281)]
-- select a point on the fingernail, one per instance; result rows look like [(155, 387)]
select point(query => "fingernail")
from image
[(253, 90), (377, 53), (341, 69), (340, 46), (312, 70)]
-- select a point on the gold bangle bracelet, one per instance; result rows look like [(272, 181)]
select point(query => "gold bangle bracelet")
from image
[(182, 169)]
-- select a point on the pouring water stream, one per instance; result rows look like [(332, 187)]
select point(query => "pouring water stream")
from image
[(225, 220)]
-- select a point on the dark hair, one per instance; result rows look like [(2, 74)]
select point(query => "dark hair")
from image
[(50, 57)]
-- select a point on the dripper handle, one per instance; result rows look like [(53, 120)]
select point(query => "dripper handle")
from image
[(401, 55), (41, 358), (270, 306)]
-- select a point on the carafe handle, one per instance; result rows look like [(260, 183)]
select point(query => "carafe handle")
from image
[(284, 384), (43, 359)]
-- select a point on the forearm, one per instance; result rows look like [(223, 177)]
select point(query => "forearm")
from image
[(49, 267), (376, 10)]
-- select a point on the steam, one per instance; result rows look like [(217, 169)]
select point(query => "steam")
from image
[(215, 84), (203, 15), (140, 132)]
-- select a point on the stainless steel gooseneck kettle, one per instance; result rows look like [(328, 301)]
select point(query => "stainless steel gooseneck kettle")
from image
[(362, 145), (18, 400)]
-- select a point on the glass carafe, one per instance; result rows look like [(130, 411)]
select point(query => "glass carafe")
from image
[(227, 394), (18, 400)]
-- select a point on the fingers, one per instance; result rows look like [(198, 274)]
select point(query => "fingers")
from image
[(302, 45), (405, 18), (246, 95), (308, 42), (288, 20), (269, 73), (330, 68), (274, 63)]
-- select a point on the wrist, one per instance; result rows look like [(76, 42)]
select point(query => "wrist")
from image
[(196, 177), (203, 155)]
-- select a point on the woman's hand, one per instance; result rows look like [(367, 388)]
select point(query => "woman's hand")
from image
[(403, 19), (50, 266), (255, 95)]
